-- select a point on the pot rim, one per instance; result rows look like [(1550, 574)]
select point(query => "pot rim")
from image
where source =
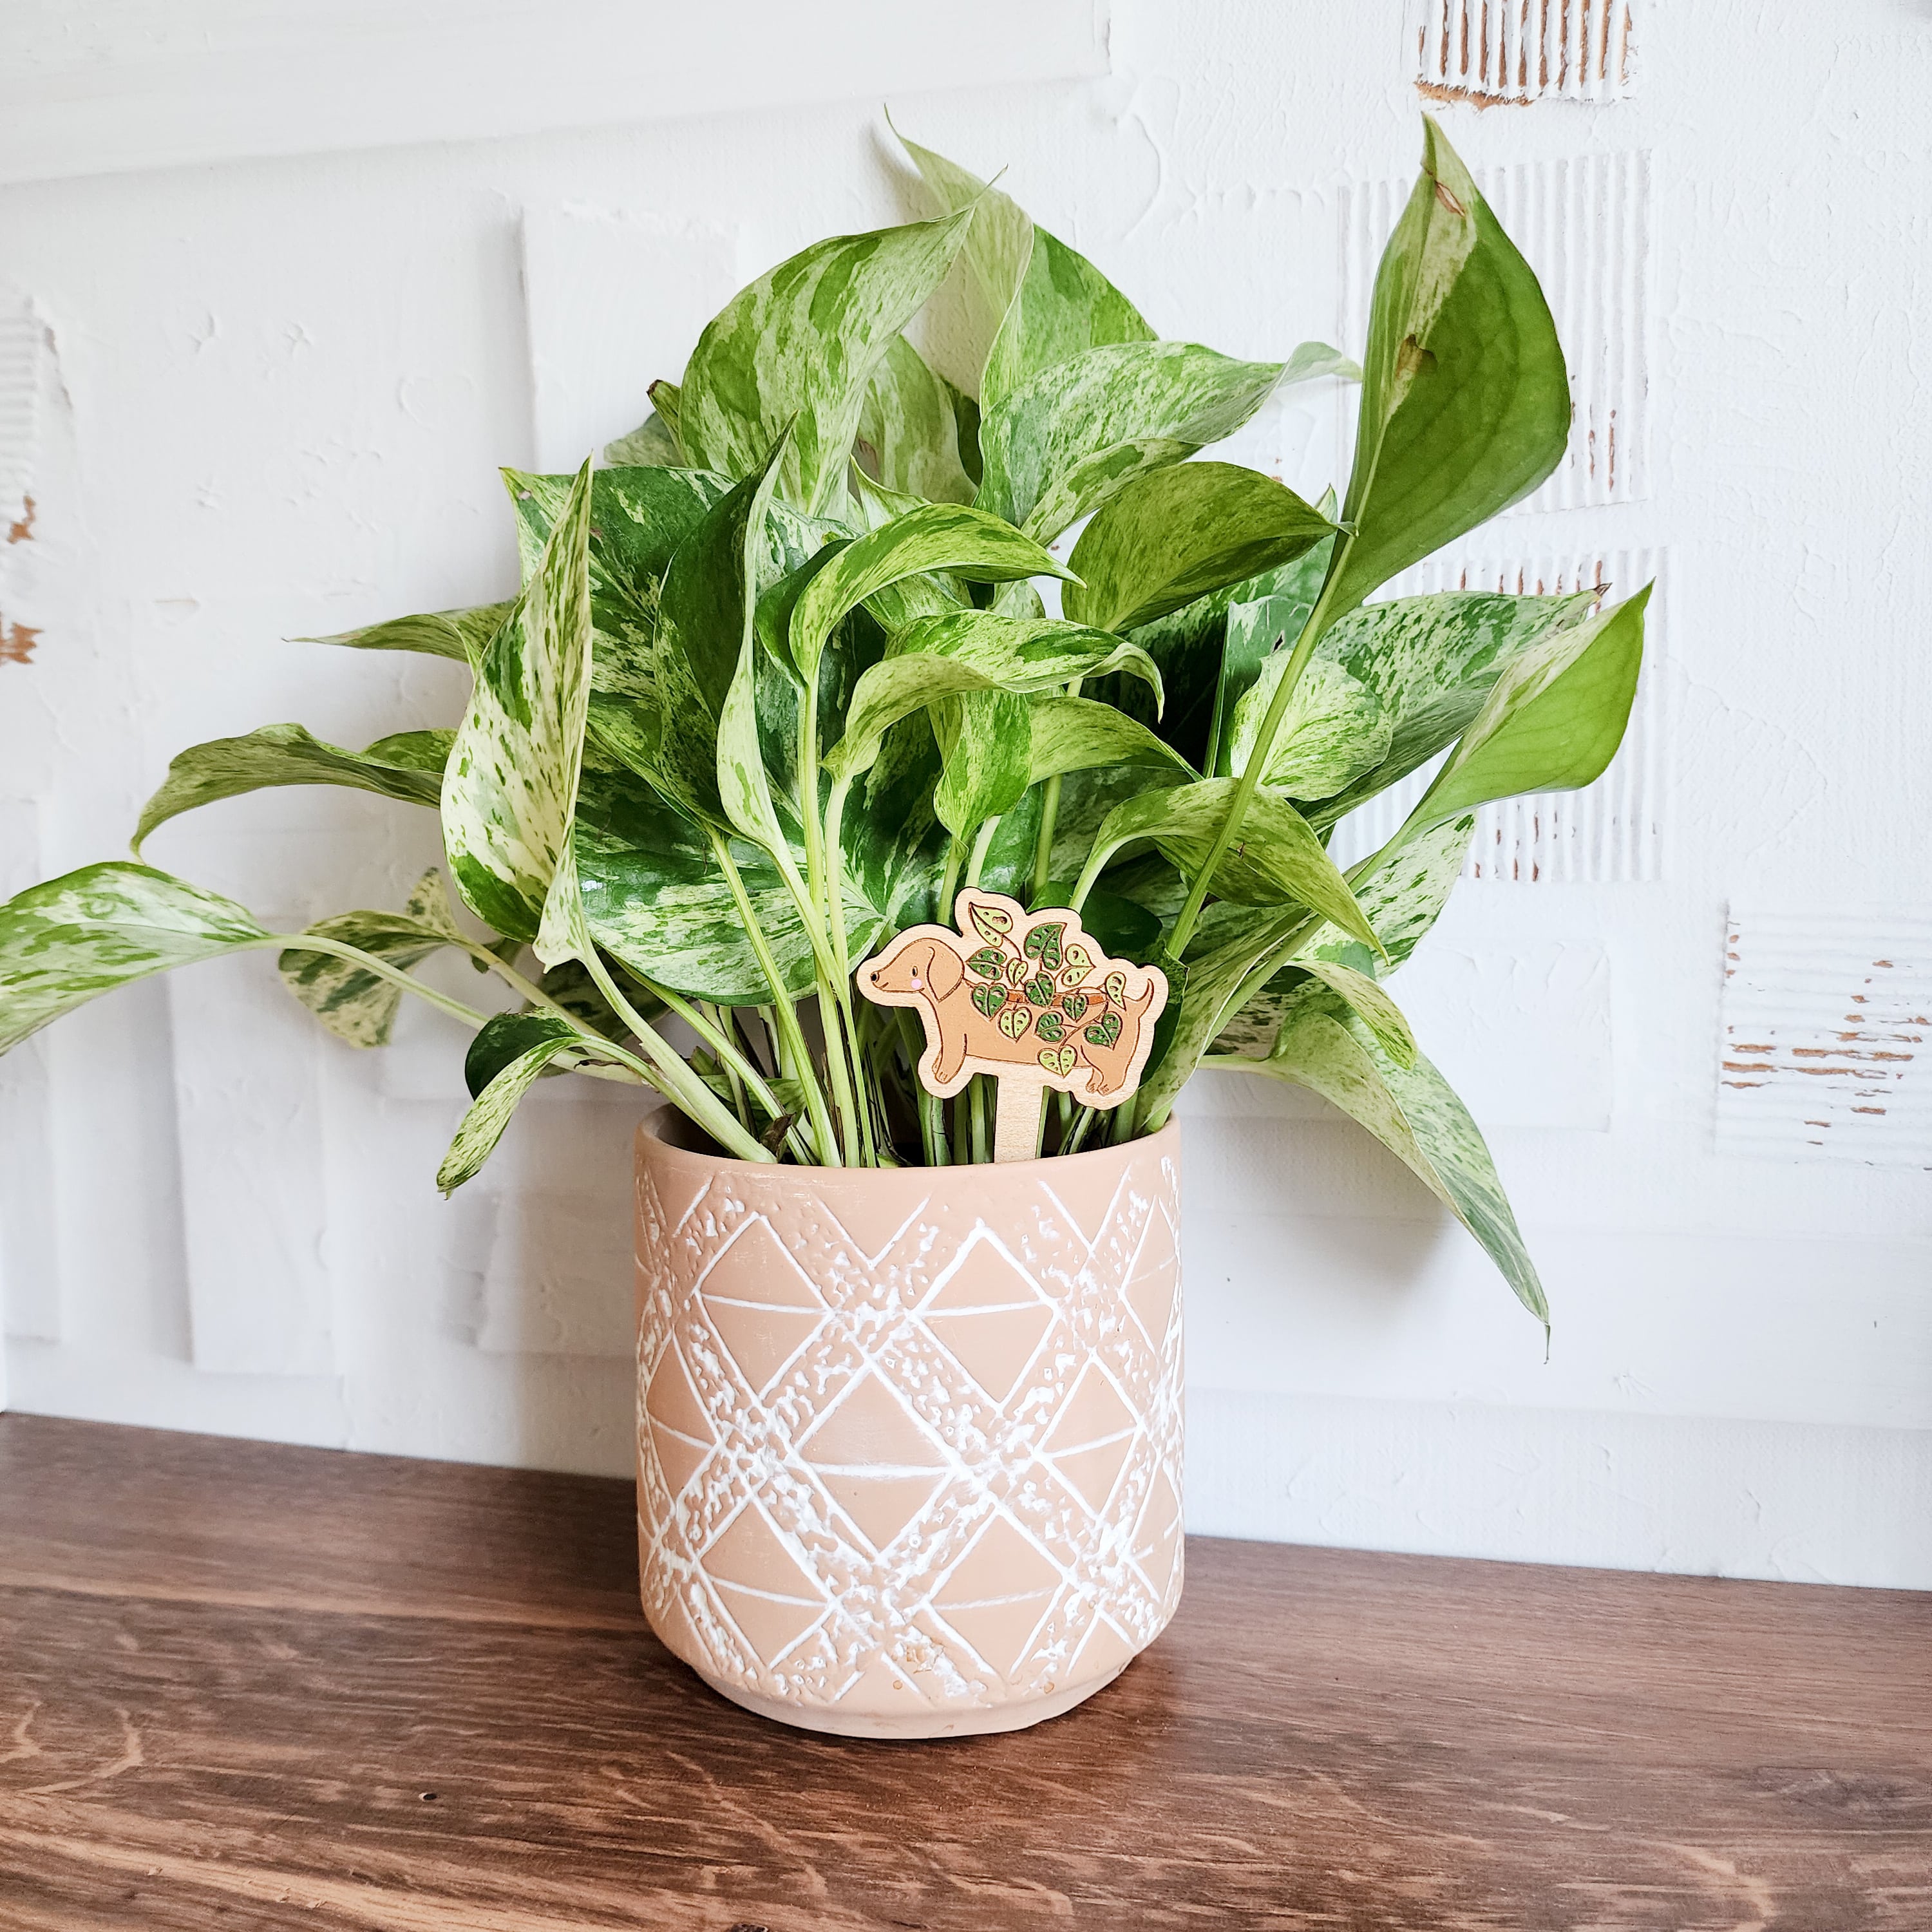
[(650, 1132)]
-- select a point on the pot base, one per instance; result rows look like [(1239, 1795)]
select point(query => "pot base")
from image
[(829, 1721)]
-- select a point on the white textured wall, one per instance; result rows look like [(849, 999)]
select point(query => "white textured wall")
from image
[(264, 397)]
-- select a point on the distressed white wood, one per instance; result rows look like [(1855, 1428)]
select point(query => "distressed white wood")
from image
[(95, 86), (1827, 1037), (1583, 223), (613, 302), (1487, 51), (1610, 833)]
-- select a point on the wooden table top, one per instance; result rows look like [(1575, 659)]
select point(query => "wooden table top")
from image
[(248, 1686)]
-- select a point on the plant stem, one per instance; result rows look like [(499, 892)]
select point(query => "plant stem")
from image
[(340, 949), (948, 883), (1246, 785), (977, 1099), (982, 845), (1049, 814), (783, 1014)]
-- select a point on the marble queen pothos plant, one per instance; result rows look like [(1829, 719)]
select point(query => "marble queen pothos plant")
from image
[(781, 679)]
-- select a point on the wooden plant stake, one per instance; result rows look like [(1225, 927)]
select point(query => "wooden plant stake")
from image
[(1027, 998)]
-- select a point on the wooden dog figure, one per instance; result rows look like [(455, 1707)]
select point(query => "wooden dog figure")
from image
[(1025, 997)]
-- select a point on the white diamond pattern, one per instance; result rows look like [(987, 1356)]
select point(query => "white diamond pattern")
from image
[(880, 1637)]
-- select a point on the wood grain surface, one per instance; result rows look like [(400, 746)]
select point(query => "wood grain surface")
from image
[(246, 1686)]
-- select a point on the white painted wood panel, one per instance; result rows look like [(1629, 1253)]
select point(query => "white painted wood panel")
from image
[(97, 86), (1488, 51)]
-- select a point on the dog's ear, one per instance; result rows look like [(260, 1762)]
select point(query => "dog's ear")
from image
[(943, 971)]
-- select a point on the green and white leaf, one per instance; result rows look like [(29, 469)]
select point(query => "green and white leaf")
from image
[(1430, 662), (1465, 401), (355, 1004), (407, 766), (512, 775), (460, 634), (799, 347), (1080, 430), (654, 443), (1552, 722), (1333, 730), (985, 739), (482, 1126), (1170, 536), (1278, 859), (909, 428), (1076, 734), (63, 943), (962, 541)]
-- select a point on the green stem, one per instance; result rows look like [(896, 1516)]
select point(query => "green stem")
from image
[(983, 844), (1246, 784), (669, 1073), (340, 949), (783, 1014), (949, 882), (1049, 814), (976, 1093)]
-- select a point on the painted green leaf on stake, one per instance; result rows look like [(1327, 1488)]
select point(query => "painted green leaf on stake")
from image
[(63, 943)]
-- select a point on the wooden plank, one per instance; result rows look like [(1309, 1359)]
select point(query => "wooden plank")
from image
[(277, 1687)]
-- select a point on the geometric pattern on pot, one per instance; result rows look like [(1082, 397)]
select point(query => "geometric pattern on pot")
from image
[(909, 1440)]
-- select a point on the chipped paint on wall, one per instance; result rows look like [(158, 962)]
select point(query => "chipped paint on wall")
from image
[(1583, 224), (25, 349), (1828, 1038), (1493, 52), (1611, 833)]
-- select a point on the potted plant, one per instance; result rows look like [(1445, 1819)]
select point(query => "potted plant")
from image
[(782, 684)]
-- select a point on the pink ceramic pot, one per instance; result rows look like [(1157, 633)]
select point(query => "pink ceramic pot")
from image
[(909, 1439)]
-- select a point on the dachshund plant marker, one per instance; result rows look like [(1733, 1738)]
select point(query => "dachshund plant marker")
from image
[(1027, 998)]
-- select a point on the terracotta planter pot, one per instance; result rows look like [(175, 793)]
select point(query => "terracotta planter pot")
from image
[(909, 1440)]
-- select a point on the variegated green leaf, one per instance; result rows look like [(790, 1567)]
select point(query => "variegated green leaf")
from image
[(407, 766), (1278, 859), (1080, 430), (1465, 401), (1552, 722), (1073, 734), (1402, 893), (654, 442), (1165, 538), (986, 740), (512, 776), (1430, 662), (1415, 1114), (355, 1004), (744, 786), (909, 429), (1036, 300), (1333, 730), (482, 1126), (654, 899), (964, 543), (942, 658), (505, 1038), (460, 634), (63, 942), (799, 347)]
